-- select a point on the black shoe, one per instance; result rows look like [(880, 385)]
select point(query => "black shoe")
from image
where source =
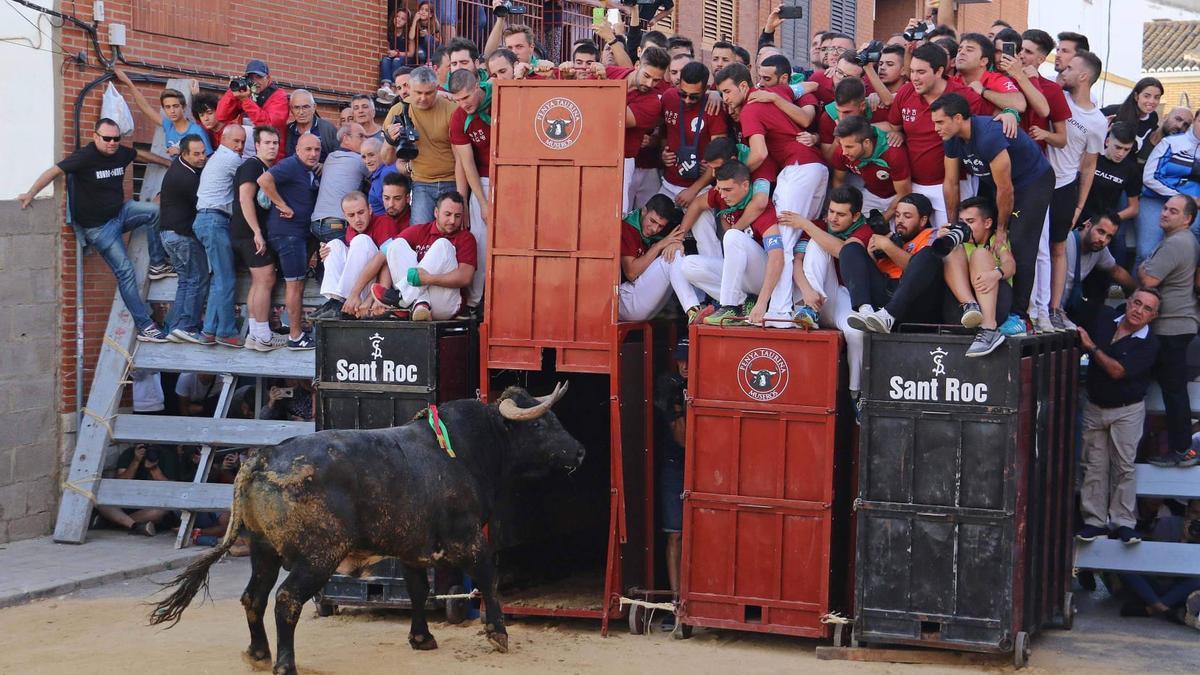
[(390, 297), (161, 271), (144, 529), (332, 309), (1091, 533), (1128, 535)]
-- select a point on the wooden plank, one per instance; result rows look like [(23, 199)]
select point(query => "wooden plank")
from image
[(1154, 402), (922, 656), (159, 494), (1158, 481), (178, 358), (183, 537), (1148, 557), (75, 511), (221, 433), (163, 290)]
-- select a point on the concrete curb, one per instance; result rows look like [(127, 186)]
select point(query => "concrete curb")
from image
[(99, 579)]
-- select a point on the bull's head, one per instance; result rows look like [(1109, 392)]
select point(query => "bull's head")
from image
[(537, 438)]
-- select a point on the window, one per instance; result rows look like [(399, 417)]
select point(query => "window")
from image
[(199, 20), (667, 23), (842, 16), (720, 22)]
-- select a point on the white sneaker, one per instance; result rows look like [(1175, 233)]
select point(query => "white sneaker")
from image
[(858, 320), (779, 321), (1041, 324), (880, 322)]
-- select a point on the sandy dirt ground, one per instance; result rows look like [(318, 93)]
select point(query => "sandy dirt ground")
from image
[(103, 631)]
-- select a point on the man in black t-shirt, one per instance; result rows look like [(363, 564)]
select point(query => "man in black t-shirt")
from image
[(177, 204), (249, 239), (1117, 173), (99, 209)]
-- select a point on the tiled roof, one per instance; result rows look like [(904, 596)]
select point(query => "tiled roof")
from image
[(1170, 46)]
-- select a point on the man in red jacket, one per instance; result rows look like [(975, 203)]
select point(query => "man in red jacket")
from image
[(263, 101)]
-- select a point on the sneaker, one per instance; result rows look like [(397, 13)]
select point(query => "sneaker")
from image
[(1058, 318), (880, 321), (1042, 324), (1181, 459), (192, 336), (161, 271), (699, 313), (388, 296), (1191, 615), (234, 341), (144, 529), (779, 321), (420, 312), (807, 317), (254, 344), (986, 341), (1091, 533), (857, 320), (151, 333), (385, 95), (1128, 535), (1013, 326), (207, 339), (303, 343), (971, 316), (332, 309), (860, 402), (727, 315)]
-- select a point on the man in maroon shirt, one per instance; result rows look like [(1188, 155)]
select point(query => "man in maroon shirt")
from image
[(863, 150), (1047, 107), (430, 266), (643, 109), (687, 125), (832, 46), (471, 140), (975, 58), (353, 263), (648, 276), (910, 114)]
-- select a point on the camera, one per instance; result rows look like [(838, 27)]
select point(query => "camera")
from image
[(879, 225), (406, 142), (151, 456), (1009, 48), (239, 84), (918, 32), (507, 7), (870, 54), (943, 245)]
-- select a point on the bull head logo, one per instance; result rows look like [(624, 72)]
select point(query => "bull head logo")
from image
[(558, 129), (763, 380), (763, 374)]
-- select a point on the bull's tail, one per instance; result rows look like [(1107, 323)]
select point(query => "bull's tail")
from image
[(195, 578)]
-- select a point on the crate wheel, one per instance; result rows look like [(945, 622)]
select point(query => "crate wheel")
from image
[(637, 620), (683, 633), (456, 608), (1021, 650), (1068, 611), (325, 608)]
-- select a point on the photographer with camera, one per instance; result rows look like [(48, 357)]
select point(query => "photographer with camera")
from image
[(142, 462), (471, 138), (871, 274), (687, 130), (257, 97), (422, 136), (1013, 169), (863, 150), (883, 70)]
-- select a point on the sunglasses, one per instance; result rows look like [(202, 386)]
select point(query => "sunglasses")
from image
[(109, 139), (691, 97)]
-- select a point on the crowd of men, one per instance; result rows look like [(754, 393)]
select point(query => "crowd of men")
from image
[(925, 177)]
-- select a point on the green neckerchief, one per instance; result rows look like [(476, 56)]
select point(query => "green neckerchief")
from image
[(634, 218), (743, 153), (845, 234), (881, 146), (796, 78), (484, 111), (831, 110), (740, 206)]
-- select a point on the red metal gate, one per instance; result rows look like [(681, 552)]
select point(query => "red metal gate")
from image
[(761, 465)]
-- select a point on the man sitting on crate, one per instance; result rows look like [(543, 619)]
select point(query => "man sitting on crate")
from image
[(1122, 356), (355, 261), (652, 261), (430, 266)]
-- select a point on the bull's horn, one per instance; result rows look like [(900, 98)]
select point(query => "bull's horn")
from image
[(510, 410)]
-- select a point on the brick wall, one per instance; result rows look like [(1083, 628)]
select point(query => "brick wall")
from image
[(321, 44), (29, 426), (1174, 87)]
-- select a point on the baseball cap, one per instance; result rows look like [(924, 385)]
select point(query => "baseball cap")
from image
[(681, 350), (257, 67)]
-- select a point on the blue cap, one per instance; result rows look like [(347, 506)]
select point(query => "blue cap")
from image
[(681, 350), (257, 67)]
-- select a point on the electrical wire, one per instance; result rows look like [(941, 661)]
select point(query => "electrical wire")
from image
[(36, 48), (38, 28)]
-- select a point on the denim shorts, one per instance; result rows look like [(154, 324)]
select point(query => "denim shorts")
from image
[(670, 495), (293, 256)]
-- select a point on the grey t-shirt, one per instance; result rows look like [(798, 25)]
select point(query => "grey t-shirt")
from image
[(342, 173), (1174, 262), (1101, 259)]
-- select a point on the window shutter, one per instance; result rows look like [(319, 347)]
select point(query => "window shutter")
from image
[(199, 20), (842, 16), (720, 22), (794, 35)]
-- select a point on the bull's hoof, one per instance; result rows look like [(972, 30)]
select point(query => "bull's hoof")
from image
[(499, 641), (422, 642), (257, 660), (285, 669)]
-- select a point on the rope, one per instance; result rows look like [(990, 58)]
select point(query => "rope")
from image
[(835, 618), (100, 419), (74, 486), (651, 607), (119, 349), (459, 596)]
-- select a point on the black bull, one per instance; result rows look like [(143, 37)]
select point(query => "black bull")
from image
[(334, 498)]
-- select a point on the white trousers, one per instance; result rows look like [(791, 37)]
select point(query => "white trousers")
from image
[(344, 264), (479, 229), (742, 272), (644, 297), (627, 185), (441, 258), (874, 201), (672, 190), (820, 272), (937, 198), (707, 235), (1040, 302), (800, 188), (639, 185)]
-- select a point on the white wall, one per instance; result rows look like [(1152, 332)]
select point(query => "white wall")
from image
[(27, 78), (1114, 29)]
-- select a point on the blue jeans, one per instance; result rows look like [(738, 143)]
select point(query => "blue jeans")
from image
[(1149, 232), (110, 243), (424, 199), (190, 263), (388, 66), (1172, 593), (325, 233), (212, 229)]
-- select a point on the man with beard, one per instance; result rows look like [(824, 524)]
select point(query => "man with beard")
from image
[(643, 112), (687, 130), (471, 139), (1087, 250)]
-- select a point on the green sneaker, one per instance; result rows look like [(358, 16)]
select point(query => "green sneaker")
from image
[(726, 315)]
